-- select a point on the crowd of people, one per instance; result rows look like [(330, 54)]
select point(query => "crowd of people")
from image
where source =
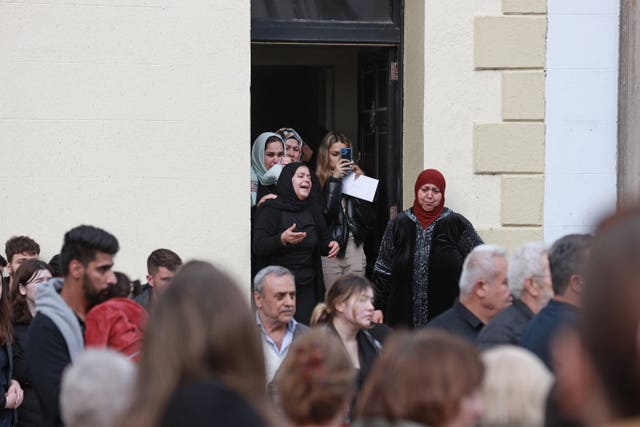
[(443, 331)]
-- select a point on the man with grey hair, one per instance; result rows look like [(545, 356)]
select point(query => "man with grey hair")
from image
[(530, 285), (567, 260), (483, 293), (274, 293)]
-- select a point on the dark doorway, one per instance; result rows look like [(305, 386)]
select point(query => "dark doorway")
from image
[(378, 127), (292, 96), (315, 72)]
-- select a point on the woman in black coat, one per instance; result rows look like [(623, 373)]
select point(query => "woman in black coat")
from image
[(28, 277), (421, 256), (290, 231)]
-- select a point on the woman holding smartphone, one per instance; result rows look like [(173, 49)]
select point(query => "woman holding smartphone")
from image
[(350, 220)]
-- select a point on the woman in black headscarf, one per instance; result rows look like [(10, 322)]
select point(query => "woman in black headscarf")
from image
[(291, 231)]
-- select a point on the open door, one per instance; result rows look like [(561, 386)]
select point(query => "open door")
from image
[(378, 138)]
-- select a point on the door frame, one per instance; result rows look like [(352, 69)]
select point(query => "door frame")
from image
[(303, 32)]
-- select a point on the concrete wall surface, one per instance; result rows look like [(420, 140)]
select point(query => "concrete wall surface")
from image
[(132, 116)]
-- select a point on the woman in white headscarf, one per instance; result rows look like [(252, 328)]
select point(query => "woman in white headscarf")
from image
[(267, 155)]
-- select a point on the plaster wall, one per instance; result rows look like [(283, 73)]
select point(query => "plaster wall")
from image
[(581, 114), (126, 115), (456, 96)]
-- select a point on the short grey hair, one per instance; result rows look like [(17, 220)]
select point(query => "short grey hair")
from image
[(479, 265), (96, 389), (276, 270), (526, 262)]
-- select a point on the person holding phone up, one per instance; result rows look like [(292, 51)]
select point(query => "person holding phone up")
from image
[(350, 220)]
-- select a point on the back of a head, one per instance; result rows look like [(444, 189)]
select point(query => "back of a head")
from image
[(163, 258), (316, 380), (82, 243), (122, 288), (514, 388), (200, 328), (479, 265), (567, 257), (421, 376), (526, 262), (96, 389), (610, 327), (55, 265)]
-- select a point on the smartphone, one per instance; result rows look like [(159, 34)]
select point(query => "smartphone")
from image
[(345, 153)]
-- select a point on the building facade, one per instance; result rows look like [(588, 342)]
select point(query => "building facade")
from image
[(137, 116)]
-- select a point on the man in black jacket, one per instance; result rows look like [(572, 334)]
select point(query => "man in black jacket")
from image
[(56, 336), (162, 265), (483, 293), (530, 285)]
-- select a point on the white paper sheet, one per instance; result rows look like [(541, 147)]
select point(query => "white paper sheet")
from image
[(362, 188)]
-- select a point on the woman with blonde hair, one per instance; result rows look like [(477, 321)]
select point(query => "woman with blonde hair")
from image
[(202, 359), (515, 388), (348, 312), (423, 378), (350, 220), (315, 382)]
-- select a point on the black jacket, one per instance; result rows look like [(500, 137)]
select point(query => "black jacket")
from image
[(507, 326), (29, 413), (396, 277), (346, 214)]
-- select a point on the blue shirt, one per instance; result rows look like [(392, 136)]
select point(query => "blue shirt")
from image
[(286, 341), (544, 326)]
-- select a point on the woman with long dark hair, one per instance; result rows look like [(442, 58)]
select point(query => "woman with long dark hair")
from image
[(202, 359), (28, 277)]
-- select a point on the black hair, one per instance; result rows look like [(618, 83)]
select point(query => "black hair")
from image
[(83, 242), (567, 257)]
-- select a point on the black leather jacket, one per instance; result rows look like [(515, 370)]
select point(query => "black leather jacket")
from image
[(346, 214)]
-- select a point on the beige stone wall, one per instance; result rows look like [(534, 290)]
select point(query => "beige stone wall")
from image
[(132, 116), (514, 44), (480, 90), (455, 96)]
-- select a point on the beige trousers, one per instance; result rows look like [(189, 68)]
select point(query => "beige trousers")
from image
[(354, 262)]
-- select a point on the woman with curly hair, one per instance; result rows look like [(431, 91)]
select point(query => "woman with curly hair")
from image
[(315, 382)]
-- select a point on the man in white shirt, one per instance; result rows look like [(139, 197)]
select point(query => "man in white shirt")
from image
[(274, 294)]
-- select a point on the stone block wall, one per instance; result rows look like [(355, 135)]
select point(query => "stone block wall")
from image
[(514, 43)]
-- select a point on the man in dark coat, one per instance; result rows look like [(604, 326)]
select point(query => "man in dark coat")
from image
[(530, 285), (567, 260), (162, 265), (483, 293)]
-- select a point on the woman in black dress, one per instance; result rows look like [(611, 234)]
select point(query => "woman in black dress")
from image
[(421, 255), (290, 231)]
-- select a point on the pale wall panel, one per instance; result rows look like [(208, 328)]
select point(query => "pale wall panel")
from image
[(455, 97), (131, 116)]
